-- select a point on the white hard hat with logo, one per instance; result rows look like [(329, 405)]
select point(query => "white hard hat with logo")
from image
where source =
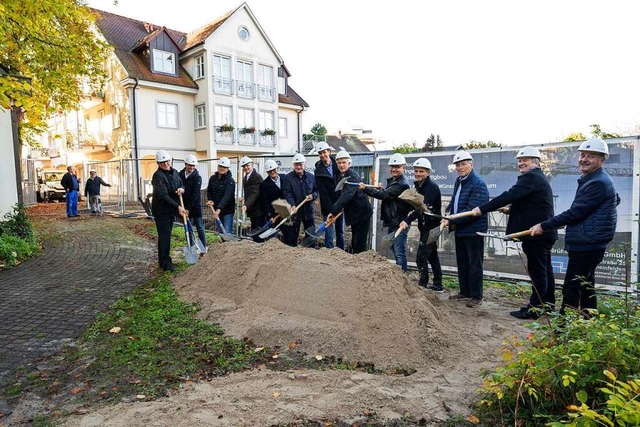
[(422, 162), (191, 160), (162, 156), (528, 152), (461, 155), (397, 160), (343, 155), (323, 146), (596, 145), (224, 162), (299, 158), (245, 160), (270, 165)]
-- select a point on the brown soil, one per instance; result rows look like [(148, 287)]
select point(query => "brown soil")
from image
[(330, 303)]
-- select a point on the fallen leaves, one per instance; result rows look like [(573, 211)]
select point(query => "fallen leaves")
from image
[(115, 329), (76, 390), (319, 357)]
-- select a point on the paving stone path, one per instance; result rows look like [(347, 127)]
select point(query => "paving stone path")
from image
[(50, 299)]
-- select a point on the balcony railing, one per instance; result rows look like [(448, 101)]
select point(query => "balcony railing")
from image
[(224, 137), (266, 93), (245, 89), (267, 140), (222, 85)]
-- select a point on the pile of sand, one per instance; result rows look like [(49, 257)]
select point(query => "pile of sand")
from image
[(358, 307)]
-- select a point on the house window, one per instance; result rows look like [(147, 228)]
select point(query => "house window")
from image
[(223, 115), (243, 33), (167, 115), (164, 62), (283, 127), (221, 74), (244, 79), (115, 116), (201, 116), (265, 120), (266, 91), (245, 118), (282, 86), (198, 71)]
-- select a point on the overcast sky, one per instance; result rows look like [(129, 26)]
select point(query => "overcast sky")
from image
[(514, 72)]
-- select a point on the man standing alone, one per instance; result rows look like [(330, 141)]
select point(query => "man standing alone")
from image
[(591, 224)]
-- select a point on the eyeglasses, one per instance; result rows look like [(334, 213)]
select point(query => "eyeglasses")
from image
[(395, 167)]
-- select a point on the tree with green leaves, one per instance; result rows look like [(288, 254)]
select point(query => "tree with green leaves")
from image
[(575, 136), (432, 143), (318, 129), (407, 148), (597, 131), (51, 43), (480, 144)]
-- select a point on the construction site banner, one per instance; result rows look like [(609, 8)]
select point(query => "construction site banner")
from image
[(498, 168)]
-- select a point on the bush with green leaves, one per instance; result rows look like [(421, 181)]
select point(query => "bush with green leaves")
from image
[(17, 241), (544, 373)]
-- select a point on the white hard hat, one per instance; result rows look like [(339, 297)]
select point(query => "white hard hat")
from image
[(323, 146), (343, 155), (528, 152), (397, 159), (461, 155), (597, 145), (422, 162), (224, 162), (245, 160), (299, 158), (191, 160), (93, 170), (162, 156), (270, 165)]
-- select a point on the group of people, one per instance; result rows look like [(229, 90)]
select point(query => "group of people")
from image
[(590, 220), (71, 186)]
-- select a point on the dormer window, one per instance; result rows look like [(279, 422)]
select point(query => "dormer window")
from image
[(164, 62)]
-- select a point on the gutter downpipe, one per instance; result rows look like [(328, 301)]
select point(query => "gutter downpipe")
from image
[(134, 123), (300, 141)]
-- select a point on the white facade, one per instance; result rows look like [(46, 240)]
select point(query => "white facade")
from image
[(9, 193)]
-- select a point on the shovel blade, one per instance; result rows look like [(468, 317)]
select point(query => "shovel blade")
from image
[(340, 184), (267, 234), (308, 241), (200, 246), (434, 234), (386, 241), (190, 255)]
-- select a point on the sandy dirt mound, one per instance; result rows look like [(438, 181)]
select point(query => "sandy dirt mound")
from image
[(361, 308)]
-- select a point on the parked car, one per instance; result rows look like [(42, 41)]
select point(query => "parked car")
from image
[(49, 187)]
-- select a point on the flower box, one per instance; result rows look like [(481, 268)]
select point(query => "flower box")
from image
[(246, 131), (268, 132), (225, 128)]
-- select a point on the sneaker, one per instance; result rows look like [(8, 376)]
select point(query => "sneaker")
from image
[(474, 303), (436, 289), (458, 296)]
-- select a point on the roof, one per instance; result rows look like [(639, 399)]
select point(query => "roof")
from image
[(198, 36), (126, 34), (292, 98), (348, 143)]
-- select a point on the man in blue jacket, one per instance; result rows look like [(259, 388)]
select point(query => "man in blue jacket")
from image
[(531, 200), (299, 185), (591, 224), (327, 176), (71, 186), (192, 183), (92, 190), (469, 191)]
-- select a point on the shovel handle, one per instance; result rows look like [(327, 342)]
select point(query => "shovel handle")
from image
[(184, 215), (459, 215), (514, 236), (333, 219)]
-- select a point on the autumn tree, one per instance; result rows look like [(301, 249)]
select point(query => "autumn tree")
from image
[(52, 44), (432, 143), (576, 136), (318, 129), (598, 132)]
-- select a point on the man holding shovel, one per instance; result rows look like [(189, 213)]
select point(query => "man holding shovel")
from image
[(192, 183), (167, 188), (299, 185), (427, 252), (356, 206), (393, 209), (531, 200), (251, 181), (325, 173), (221, 193), (469, 191), (271, 190)]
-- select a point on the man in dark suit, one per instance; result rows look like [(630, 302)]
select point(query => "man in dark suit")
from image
[(251, 181)]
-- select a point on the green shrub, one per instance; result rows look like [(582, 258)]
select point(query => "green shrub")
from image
[(17, 242), (544, 373), (17, 224)]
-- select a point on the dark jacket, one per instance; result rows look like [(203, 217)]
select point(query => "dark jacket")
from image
[(269, 192), (473, 193), (592, 218), (92, 187), (70, 182), (393, 210), (296, 188), (192, 197), (326, 185), (252, 194), (531, 200), (165, 200), (221, 191), (354, 202), (432, 198)]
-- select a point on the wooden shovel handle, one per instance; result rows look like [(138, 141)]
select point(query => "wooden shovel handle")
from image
[(213, 210), (517, 235), (459, 215), (333, 219), (184, 214)]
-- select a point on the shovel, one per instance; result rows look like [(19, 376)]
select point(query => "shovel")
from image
[(226, 237), (509, 237), (385, 242), (345, 181), (190, 252), (434, 233), (416, 200), (314, 234), (255, 232), (270, 232)]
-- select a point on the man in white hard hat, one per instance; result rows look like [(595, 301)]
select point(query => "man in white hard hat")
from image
[(165, 205), (192, 182), (356, 206), (299, 185), (427, 252), (531, 200), (271, 190), (326, 174), (251, 181), (469, 191), (221, 193), (591, 224), (92, 191), (393, 209)]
